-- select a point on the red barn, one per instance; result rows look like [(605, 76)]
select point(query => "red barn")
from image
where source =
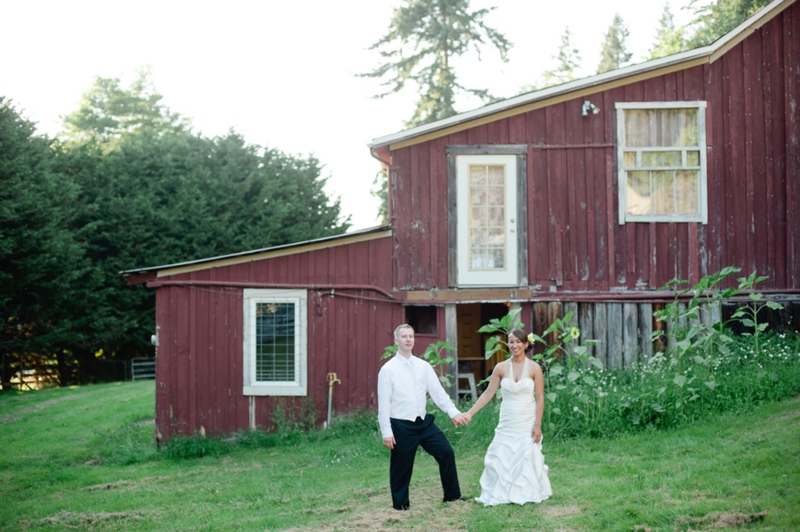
[(586, 196)]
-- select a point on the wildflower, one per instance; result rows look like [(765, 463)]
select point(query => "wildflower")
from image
[(574, 333), (574, 408)]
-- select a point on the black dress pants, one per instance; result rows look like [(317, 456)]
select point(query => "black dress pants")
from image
[(409, 435)]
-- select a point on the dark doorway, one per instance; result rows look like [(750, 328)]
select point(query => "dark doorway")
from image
[(470, 317)]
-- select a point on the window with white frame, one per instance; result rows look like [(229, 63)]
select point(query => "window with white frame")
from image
[(275, 342), (661, 160)]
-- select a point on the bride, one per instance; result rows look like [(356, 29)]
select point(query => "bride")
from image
[(514, 469)]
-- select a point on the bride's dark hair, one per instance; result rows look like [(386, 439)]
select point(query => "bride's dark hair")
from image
[(520, 335)]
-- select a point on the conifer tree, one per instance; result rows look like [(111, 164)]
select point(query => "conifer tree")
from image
[(715, 19), (423, 39), (569, 61), (614, 54), (669, 39)]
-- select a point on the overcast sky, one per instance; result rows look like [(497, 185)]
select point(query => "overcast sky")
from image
[(281, 73)]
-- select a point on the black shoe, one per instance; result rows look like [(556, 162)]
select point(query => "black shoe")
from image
[(401, 508), (456, 499)]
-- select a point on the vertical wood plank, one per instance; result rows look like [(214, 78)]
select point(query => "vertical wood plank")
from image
[(451, 336), (630, 333), (615, 335), (586, 324), (554, 312), (601, 332), (645, 330)]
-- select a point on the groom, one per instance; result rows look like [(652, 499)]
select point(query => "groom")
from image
[(403, 383)]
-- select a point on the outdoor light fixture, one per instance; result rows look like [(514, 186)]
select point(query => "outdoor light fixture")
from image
[(589, 106)]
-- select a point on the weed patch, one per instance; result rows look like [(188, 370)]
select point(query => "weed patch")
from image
[(81, 521)]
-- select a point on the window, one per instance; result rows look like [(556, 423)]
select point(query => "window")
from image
[(662, 162), (275, 344), (487, 242)]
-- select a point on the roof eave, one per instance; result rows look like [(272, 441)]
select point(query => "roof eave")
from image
[(712, 51)]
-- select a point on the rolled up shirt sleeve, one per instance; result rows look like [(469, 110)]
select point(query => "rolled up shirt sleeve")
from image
[(437, 393)]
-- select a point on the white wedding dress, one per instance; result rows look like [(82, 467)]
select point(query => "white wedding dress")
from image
[(514, 468)]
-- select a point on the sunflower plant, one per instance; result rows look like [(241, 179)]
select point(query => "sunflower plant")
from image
[(568, 369)]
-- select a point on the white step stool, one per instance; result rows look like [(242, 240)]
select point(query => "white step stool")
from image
[(471, 383)]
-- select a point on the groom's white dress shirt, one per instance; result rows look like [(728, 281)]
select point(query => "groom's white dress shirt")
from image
[(402, 386)]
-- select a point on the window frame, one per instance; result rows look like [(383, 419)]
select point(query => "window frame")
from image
[(456, 154), (702, 179), (297, 387)]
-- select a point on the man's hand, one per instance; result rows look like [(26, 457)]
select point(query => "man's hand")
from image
[(389, 442), (460, 420)]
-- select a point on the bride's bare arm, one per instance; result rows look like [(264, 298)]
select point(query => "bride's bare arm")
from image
[(538, 385), (487, 395)]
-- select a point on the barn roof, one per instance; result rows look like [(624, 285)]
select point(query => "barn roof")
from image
[(575, 89), (138, 275)]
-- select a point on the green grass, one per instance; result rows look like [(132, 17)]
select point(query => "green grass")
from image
[(83, 458)]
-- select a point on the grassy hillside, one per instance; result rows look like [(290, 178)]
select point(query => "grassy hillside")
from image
[(82, 458)]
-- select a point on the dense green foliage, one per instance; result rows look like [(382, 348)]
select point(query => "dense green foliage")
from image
[(714, 19), (131, 186), (424, 37), (36, 208), (711, 20)]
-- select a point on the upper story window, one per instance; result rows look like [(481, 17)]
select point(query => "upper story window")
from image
[(275, 344), (661, 159)]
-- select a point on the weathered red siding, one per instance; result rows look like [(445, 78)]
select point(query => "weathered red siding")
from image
[(575, 243), (200, 356)]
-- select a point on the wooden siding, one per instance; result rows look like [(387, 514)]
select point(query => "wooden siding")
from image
[(574, 241), (200, 353)]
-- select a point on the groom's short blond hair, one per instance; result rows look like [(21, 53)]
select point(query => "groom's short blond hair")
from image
[(402, 326)]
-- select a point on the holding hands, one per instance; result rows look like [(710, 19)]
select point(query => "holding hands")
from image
[(461, 420)]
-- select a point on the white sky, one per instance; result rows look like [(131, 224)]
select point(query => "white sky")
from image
[(281, 72)]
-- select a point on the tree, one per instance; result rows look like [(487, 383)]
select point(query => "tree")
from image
[(165, 198), (569, 61), (669, 39), (614, 55), (381, 191), (107, 111), (129, 188), (715, 19), (39, 257), (424, 37)]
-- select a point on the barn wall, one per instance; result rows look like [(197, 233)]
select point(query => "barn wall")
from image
[(199, 360), (575, 242)]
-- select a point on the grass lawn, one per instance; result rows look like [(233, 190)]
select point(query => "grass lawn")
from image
[(82, 458)]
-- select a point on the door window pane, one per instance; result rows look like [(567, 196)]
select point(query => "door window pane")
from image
[(487, 192)]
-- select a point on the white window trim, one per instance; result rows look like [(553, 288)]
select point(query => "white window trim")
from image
[(622, 180), (298, 387), (510, 276)]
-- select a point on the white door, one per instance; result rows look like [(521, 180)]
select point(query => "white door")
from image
[(486, 211)]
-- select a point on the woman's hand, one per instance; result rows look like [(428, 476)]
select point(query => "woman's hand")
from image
[(537, 434)]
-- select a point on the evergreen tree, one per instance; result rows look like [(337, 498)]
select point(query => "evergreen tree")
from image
[(715, 19), (129, 189), (108, 111), (39, 257), (614, 54), (669, 39), (423, 39), (569, 61), (381, 191)]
